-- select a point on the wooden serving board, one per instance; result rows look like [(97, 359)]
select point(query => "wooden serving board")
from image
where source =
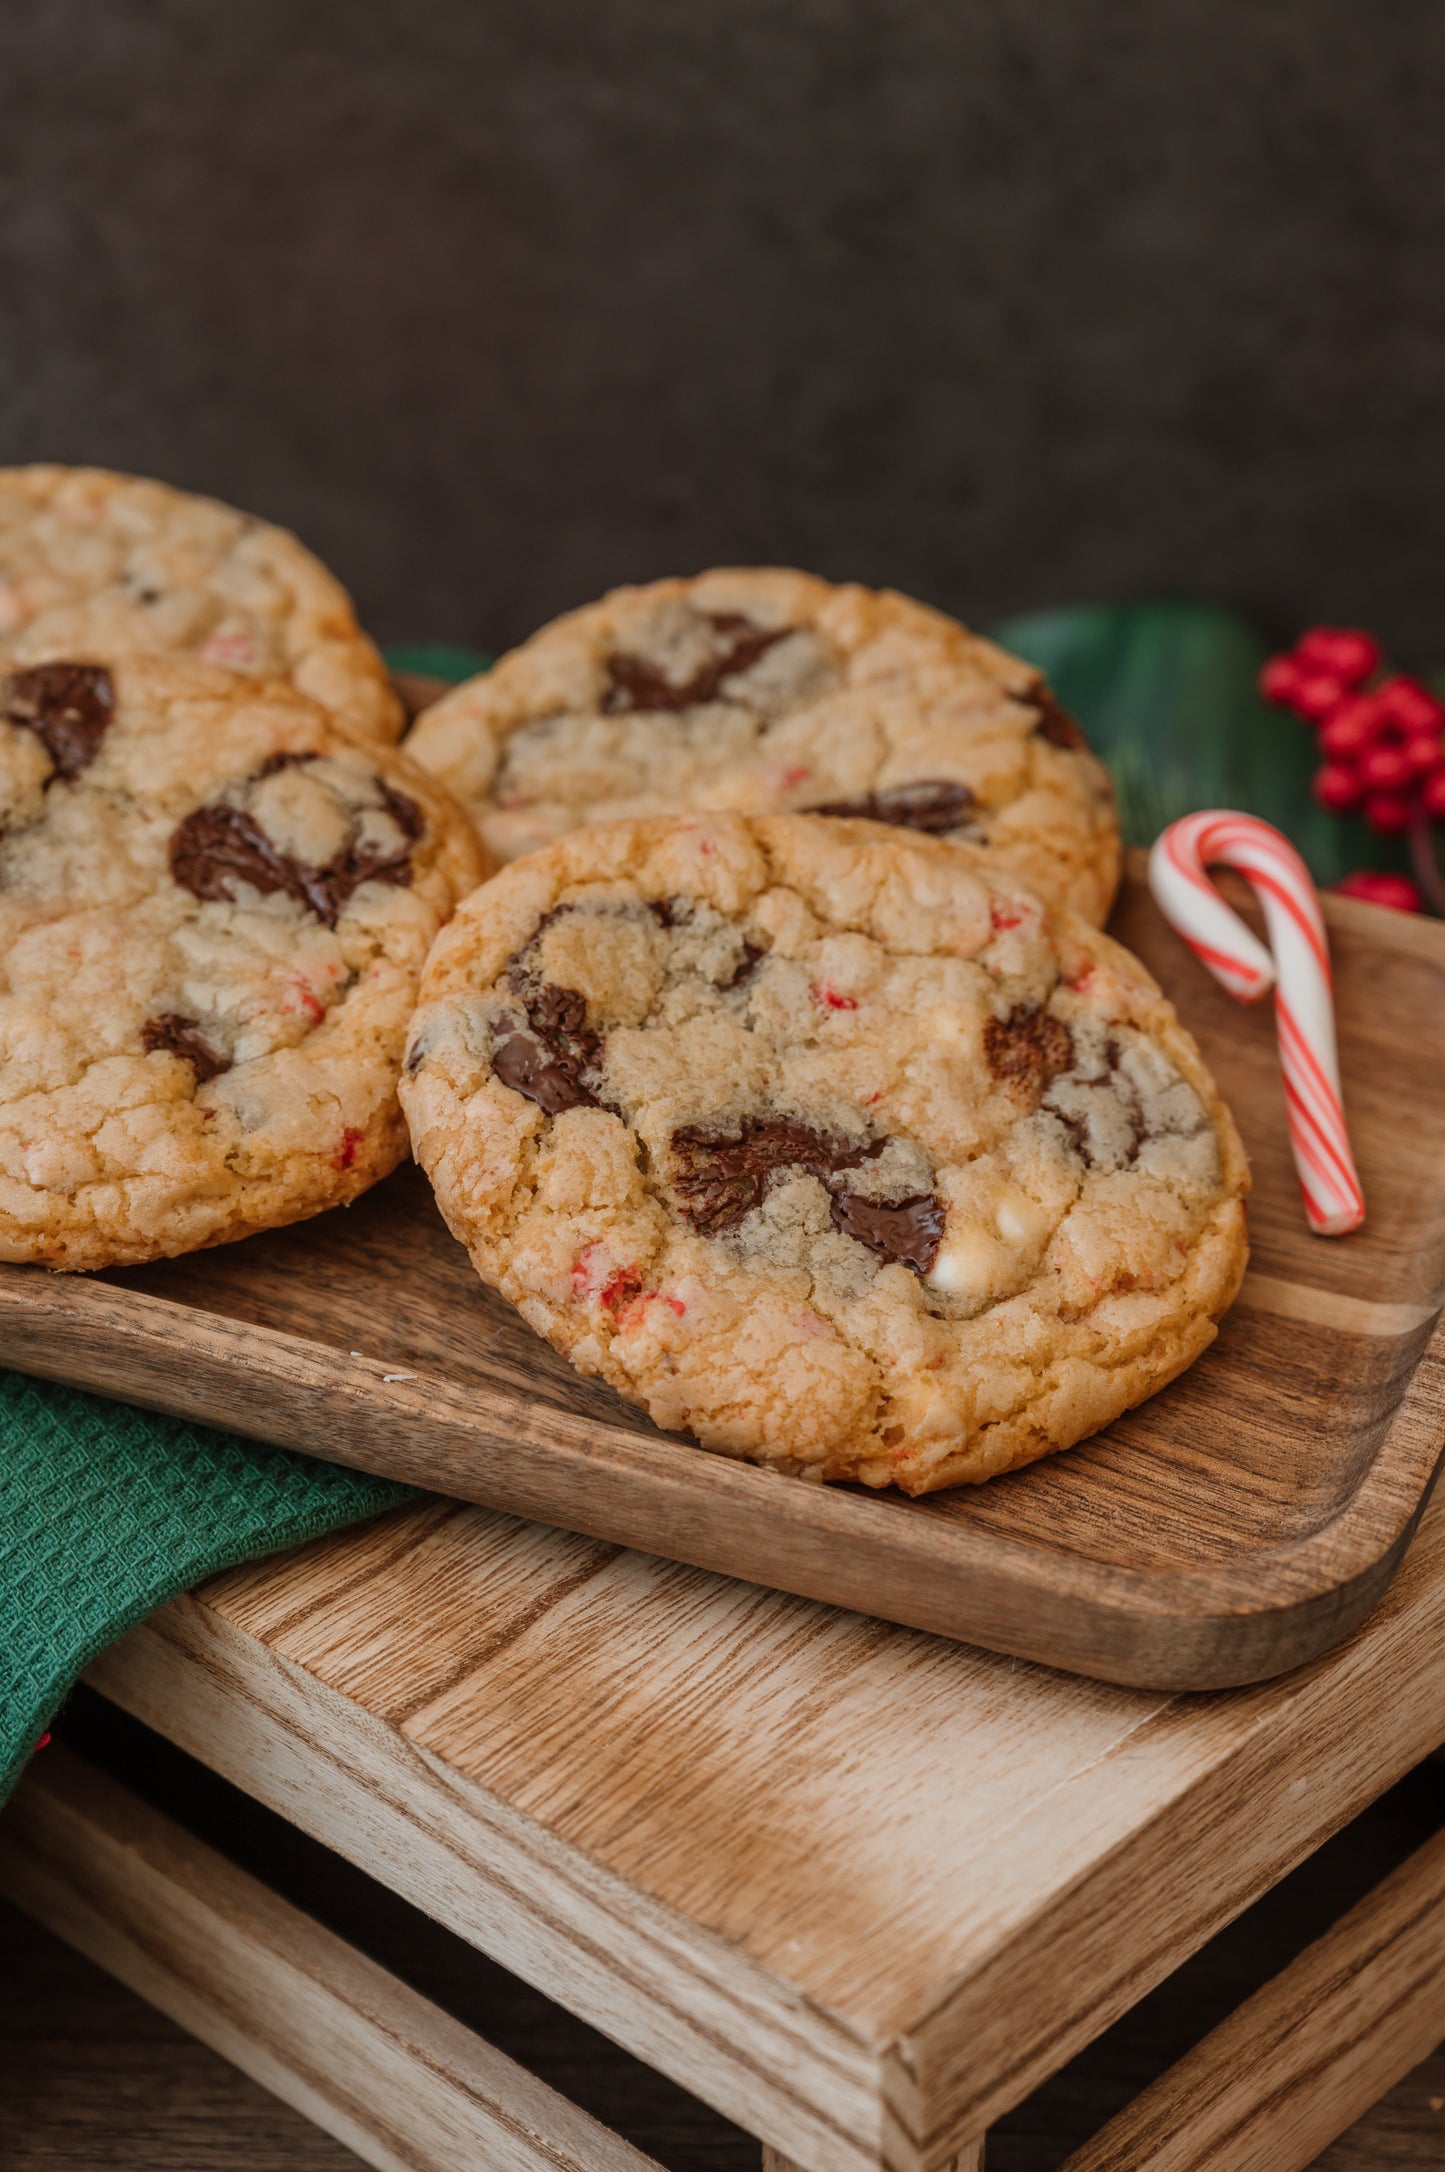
[(1234, 1526)]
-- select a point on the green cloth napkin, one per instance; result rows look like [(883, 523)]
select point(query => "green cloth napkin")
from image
[(107, 1511)]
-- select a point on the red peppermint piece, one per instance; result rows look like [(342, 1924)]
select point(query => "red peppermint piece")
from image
[(621, 1289)]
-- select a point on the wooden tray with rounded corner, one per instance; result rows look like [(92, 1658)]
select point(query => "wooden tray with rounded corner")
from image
[(1238, 1524)]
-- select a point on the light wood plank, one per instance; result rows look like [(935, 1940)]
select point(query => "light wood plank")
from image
[(678, 1994), (1298, 2062), (360, 2054), (1229, 1528), (857, 1888)]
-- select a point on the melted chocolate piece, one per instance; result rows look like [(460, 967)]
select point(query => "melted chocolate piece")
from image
[(1028, 1048), (69, 707), (551, 1081), (221, 845), (547, 1063), (909, 1231), (1078, 1129), (753, 956), (1055, 724), (930, 805), (723, 1175), (637, 683), (181, 1036)]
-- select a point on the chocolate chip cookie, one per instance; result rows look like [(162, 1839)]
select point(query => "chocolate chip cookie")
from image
[(824, 1145), (759, 691), (215, 904), (101, 567)]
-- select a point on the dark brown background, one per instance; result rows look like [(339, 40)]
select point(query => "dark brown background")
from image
[(497, 301)]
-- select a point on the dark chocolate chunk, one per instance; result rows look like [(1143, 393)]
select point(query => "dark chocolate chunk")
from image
[(1078, 1127), (723, 1175), (1028, 1048), (909, 1231), (1055, 724), (559, 1017), (552, 1081), (753, 956), (404, 812), (221, 845), (292, 759), (69, 707), (930, 805), (548, 1062), (637, 683), (177, 1035)]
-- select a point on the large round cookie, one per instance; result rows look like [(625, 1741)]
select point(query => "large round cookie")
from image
[(825, 1146), (758, 691), (215, 905), (102, 566)]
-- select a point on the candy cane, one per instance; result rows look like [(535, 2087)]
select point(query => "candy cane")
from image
[(1299, 970)]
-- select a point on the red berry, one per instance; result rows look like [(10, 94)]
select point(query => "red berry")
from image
[(1388, 812), (1279, 681), (1337, 786), (1385, 769), (1424, 752), (1348, 729), (1432, 796), (1345, 651), (1411, 706), (1317, 693), (1396, 891)]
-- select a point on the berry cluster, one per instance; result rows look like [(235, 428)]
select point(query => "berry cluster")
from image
[(1382, 743)]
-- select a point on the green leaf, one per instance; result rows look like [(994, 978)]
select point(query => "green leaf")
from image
[(436, 659), (1168, 694)]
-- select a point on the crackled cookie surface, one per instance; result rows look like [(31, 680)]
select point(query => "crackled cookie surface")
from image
[(215, 905), (823, 1145), (758, 691), (101, 567)]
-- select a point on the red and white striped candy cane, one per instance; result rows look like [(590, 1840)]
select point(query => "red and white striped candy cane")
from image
[(1299, 971)]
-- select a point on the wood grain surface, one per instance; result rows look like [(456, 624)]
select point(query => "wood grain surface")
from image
[(1298, 2062), (859, 1888), (90, 2076), (1228, 1529), (404, 2085)]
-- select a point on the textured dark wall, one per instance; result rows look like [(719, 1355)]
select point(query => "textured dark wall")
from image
[(498, 301)]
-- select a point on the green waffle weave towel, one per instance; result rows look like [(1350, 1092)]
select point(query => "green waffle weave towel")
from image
[(107, 1511)]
